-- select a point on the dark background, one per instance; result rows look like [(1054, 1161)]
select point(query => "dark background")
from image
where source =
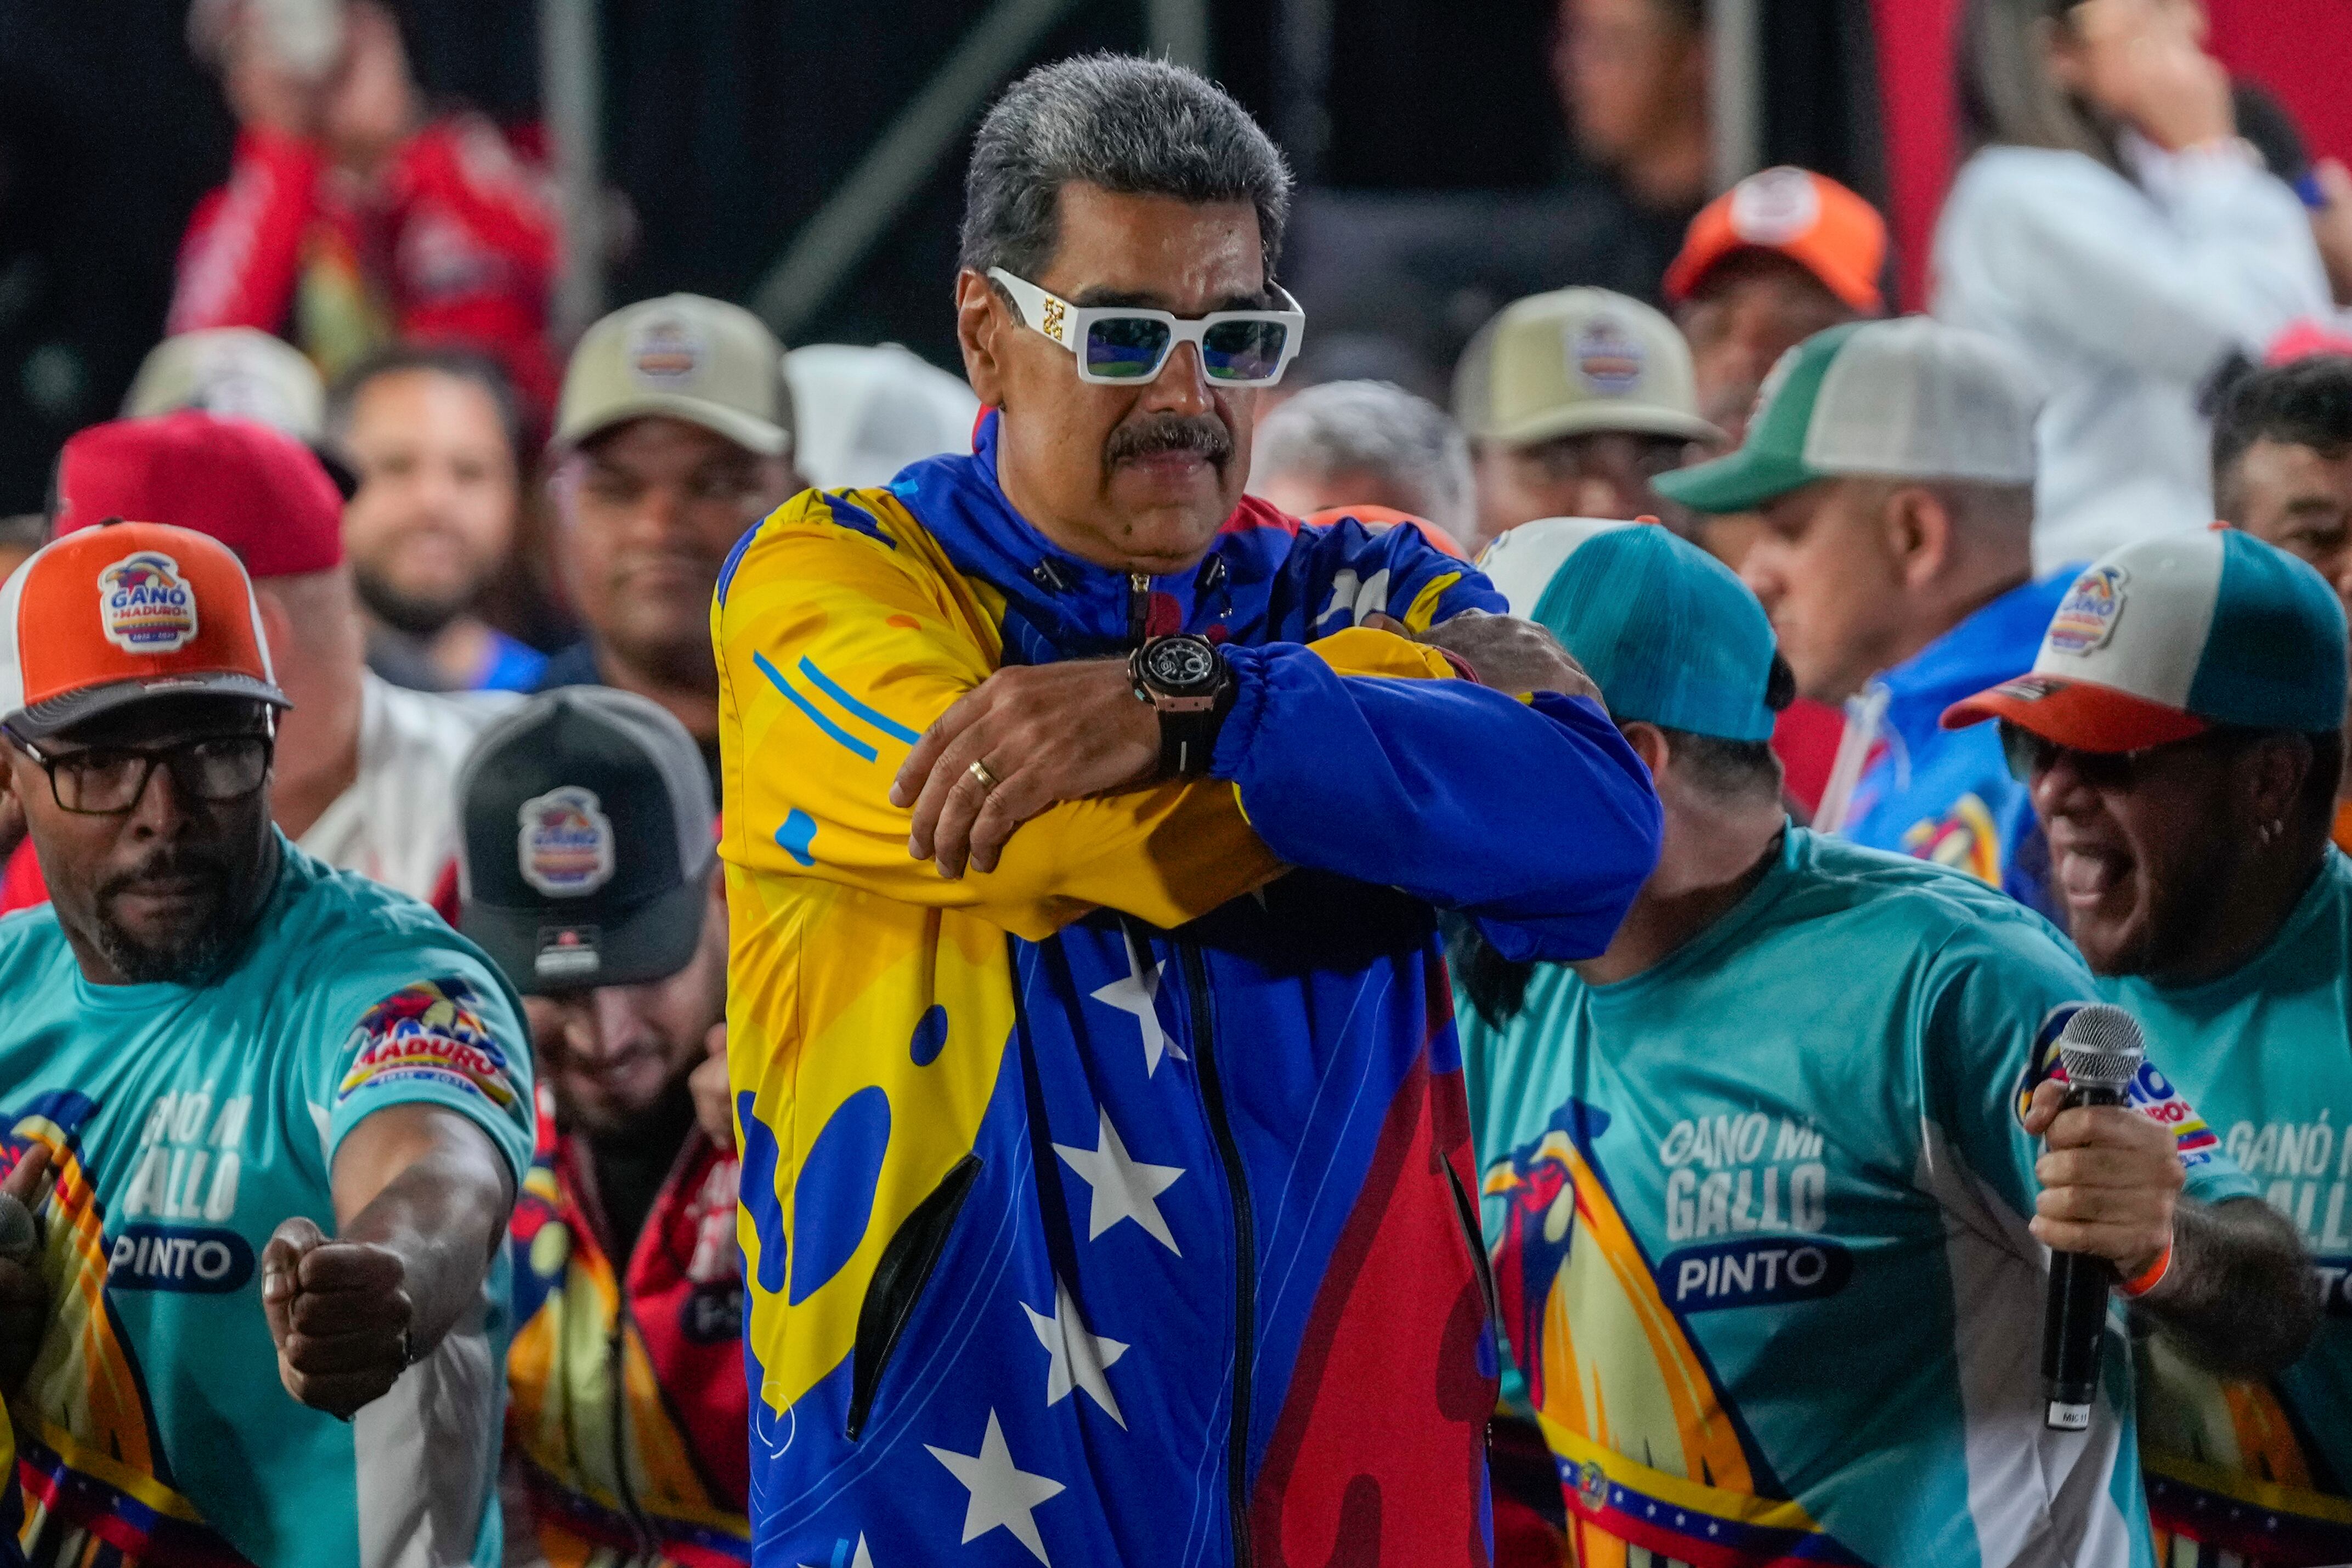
[(728, 122)]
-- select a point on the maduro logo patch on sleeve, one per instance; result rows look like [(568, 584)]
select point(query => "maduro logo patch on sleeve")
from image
[(430, 1032), (2155, 1096)]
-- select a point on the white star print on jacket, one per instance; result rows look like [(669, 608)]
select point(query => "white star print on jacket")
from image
[(1080, 1360), (1003, 1495), (1136, 995), (1123, 1187)]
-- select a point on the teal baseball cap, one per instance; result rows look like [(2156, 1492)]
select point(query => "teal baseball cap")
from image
[(1912, 398), (1671, 636), (2164, 638)]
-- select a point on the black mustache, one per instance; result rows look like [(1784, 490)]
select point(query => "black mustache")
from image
[(180, 863), (1171, 433)]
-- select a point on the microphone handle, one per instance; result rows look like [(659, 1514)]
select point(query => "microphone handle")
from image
[(2074, 1317)]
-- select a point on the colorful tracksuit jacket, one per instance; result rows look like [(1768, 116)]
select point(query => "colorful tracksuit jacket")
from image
[(624, 1392), (1947, 795), (1116, 1205)]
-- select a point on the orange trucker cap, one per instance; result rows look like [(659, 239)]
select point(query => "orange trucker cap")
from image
[(1809, 218), (121, 612)]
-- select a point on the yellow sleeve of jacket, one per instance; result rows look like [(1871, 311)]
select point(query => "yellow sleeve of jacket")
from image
[(838, 646)]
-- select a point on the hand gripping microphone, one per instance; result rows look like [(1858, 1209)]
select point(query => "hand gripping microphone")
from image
[(2100, 1048)]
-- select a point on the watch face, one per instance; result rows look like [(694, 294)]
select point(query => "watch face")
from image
[(1181, 663)]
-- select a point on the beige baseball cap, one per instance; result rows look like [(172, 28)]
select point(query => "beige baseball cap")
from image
[(235, 372), (1578, 361), (703, 360)]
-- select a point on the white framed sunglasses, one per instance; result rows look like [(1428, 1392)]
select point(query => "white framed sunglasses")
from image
[(1125, 344)]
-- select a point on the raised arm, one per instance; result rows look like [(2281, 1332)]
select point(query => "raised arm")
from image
[(241, 253), (422, 1198), (2225, 265)]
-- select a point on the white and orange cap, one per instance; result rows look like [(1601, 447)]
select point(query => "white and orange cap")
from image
[(123, 613), (2166, 638), (1809, 218)]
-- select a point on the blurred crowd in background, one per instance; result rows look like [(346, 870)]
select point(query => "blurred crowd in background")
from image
[(377, 271)]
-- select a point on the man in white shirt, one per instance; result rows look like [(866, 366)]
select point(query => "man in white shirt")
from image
[(366, 772)]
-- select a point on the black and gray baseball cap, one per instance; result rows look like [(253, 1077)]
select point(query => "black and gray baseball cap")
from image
[(589, 841)]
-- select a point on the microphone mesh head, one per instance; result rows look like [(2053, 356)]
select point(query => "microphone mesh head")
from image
[(2102, 1046)]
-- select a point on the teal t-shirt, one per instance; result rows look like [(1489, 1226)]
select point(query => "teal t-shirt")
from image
[(185, 1123), (2266, 1053), (1758, 1222)]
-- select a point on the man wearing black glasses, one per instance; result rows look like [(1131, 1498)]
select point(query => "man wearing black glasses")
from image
[(287, 1110), (2180, 735), (1106, 1175)]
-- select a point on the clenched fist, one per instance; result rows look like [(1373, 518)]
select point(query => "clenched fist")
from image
[(23, 1295), (340, 1313)]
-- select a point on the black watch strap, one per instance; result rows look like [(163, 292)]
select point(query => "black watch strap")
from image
[(1188, 740), (1189, 684)]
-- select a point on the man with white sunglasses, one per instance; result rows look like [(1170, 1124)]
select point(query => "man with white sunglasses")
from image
[(1106, 1188)]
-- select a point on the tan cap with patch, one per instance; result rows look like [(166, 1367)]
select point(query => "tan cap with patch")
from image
[(1576, 362), (685, 357)]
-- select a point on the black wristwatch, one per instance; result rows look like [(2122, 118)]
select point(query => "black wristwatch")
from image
[(1188, 681)]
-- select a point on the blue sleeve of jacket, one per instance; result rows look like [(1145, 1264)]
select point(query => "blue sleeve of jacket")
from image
[(1341, 574), (1534, 818)]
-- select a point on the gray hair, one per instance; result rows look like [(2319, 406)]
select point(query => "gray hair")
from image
[(1381, 430), (1138, 126)]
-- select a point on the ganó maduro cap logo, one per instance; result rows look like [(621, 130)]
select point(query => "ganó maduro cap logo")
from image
[(146, 605), (2087, 616), (566, 846)]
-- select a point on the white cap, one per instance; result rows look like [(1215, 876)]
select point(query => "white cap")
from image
[(1576, 361), (235, 372), (1523, 561), (866, 412)]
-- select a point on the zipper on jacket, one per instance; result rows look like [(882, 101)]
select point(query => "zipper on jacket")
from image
[(1229, 1154), (1139, 608)]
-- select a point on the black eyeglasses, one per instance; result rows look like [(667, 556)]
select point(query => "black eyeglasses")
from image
[(107, 780), (2030, 756)]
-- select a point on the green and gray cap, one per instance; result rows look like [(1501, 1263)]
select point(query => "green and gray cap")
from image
[(1908, 398)]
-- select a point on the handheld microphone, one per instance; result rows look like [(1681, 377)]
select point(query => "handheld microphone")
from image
[(2100, 1048)]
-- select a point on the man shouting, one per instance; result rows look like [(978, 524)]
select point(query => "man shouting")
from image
[(1105, 1181)]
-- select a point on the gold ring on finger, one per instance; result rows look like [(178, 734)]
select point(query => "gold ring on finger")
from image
[(988, 780)]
